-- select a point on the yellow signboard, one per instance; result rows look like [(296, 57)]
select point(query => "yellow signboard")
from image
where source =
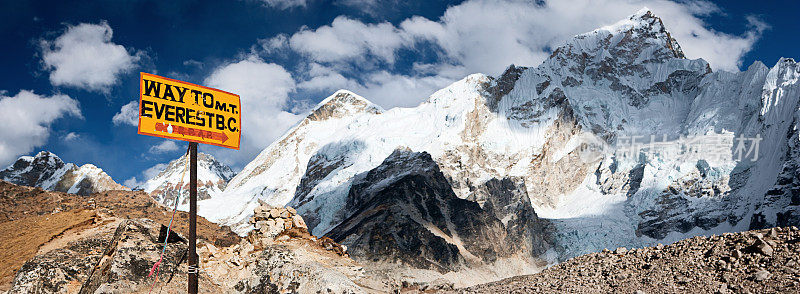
[(179, 110)]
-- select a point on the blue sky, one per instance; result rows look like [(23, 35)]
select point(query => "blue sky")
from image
[(69, 69)]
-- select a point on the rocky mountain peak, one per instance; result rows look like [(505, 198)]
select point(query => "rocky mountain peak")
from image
[(341, 104), (638, 38), (47, 171), (212, 177)]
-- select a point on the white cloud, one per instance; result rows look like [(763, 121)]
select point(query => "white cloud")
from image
[(84, 57), (370, 7), (71, 136), (128, 114), (346, 39), (274, 44), (381, 87), (27, 118), (147, 174), (164, 147), (264, 91), (153, 171), (285, 4), (390, 90), (486, 36), (132, 183)]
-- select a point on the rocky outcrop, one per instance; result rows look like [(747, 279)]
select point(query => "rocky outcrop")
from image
[(270, 221), (49, 172), (134, 248), (109, 263), (280, 256)]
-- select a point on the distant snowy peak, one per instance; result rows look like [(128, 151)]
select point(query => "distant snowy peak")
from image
[(644, 24), (341, 104), (212, 177), (49, 172), (628, 45)]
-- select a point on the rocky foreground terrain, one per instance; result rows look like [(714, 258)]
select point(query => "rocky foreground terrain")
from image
[(56, 242), (762, 261)]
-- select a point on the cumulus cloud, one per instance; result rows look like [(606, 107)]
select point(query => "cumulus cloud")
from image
[(84, 57), (127, 115), (346, 39), (28, 117), (264, 92), (164, 147), (485, 36)]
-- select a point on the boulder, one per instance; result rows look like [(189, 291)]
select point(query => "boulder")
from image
[(287, 224), (275, 213), (260, 225), (298, 221), (279, 223)]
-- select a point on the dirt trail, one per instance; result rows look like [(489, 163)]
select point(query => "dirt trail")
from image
[(20, 239)]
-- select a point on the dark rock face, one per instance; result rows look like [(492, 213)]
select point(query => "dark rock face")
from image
[(329, 158), (508, 201), (503, 85), (405, 211), (783, 200)]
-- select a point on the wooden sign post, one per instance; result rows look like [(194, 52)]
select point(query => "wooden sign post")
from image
[(184, 111)]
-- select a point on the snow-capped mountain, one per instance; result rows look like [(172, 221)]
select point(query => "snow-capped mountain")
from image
[(616, 139), (49, 172), (212, 177)]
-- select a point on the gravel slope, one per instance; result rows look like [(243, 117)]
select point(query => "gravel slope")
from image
[(763, 261)]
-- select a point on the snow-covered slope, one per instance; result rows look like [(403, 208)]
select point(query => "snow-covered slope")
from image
[(212, 177), (49, 172), (564, 129)]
